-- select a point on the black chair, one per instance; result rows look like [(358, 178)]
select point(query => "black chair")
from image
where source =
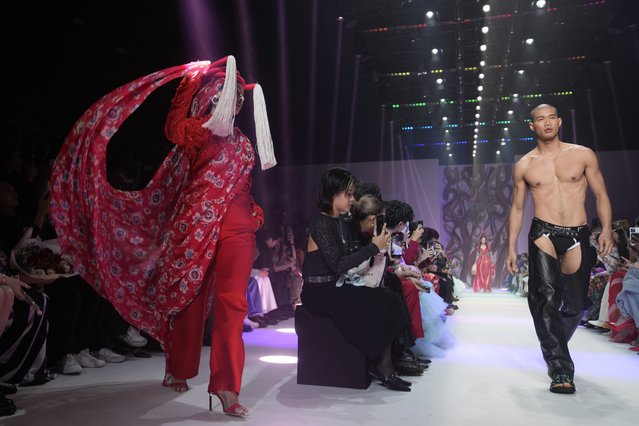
[(324, 356)]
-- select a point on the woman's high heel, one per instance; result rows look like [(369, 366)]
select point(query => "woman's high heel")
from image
[(236, 410)]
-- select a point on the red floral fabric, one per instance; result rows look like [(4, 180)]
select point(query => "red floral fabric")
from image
[(147, 251)]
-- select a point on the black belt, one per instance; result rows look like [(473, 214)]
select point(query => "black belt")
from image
[(560, 231), (320, 278)]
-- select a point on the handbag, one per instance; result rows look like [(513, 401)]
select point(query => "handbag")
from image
[(368, 273)]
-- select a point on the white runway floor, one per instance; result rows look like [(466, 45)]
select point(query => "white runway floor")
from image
[(493, 376)]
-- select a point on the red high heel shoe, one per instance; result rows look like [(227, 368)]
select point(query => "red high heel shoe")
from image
[(236, 410)]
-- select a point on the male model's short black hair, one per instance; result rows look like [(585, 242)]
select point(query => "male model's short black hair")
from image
[(398, 211), (334, 181)]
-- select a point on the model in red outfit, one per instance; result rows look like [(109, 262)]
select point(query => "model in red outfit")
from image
[(484, 266), (156, 253)]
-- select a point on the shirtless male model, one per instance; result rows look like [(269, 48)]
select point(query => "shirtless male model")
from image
[(557, 175)]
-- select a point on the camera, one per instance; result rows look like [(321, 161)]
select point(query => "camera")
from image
[(397, 244)]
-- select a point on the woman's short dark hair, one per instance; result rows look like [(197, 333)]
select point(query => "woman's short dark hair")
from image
[(334, 181), (430, 234)]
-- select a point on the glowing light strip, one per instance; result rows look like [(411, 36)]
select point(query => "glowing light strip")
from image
[(472, 69), (503, 98), (473, 20), (464, 142)]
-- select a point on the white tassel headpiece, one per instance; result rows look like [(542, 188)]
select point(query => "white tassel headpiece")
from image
[(262, 130), (223, 117)]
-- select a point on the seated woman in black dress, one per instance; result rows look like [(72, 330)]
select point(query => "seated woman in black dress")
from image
[(370, 318)]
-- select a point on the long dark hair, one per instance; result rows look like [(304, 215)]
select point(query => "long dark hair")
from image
[(334, 181)]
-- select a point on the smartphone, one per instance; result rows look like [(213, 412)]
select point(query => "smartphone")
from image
[(634, 236), (414, 225), (380, 220), (397, 244)]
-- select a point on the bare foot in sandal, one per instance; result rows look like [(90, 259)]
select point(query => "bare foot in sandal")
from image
[(176, 385)]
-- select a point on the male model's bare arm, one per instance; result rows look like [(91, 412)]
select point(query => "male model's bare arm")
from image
[(604, 209), (516, 216)]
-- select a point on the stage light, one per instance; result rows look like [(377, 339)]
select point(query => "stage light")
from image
[(435, 51), (515, 95), (482, 63), (486, 8), (477, 107), (530, 41), (503, 142), (430, 14), (440, 80), (476, 123), (481, 75), (480, 88), (475, 136), (476, 131), (279, 359), (442, 100), (450, 155), (448, 144), (483, 47), (484, 30), (446, 131), (540, 4), (479, 98), (445, 118), (505, 129), (510, 112), (476, 115), (520, 72)]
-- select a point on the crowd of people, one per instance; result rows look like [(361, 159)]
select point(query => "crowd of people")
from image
[(183, 260), (190, 259)]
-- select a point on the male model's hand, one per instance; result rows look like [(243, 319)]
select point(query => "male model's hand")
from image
[(511, 261), (605, 242)]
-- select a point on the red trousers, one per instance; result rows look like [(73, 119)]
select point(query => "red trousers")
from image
[(232, 268)]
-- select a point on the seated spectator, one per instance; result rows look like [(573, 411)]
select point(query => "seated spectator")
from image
[(72, 304), (369, 318), (627, 300), (23, 335)]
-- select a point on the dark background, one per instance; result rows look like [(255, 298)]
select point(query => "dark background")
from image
[(65, 55)]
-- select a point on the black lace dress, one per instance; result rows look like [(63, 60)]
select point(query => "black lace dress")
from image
[(370, 318)]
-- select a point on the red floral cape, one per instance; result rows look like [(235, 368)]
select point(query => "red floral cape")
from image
[(147, 251)]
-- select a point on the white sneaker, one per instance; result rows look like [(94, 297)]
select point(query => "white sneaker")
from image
[(108, 355), (133, 338), (85, 359), (68, 365)]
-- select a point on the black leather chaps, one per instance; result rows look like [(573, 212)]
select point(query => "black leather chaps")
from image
[(557, 301)]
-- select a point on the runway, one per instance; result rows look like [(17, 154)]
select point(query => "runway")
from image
[(493, 376)]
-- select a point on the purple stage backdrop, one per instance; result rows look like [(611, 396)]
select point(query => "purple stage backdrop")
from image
[(461, 202)]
